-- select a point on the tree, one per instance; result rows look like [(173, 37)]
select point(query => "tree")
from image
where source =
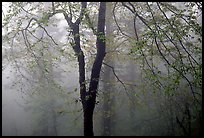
[(88, 98), (108, 78), (167, 45), (170, 30)]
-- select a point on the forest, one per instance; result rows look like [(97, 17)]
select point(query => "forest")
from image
[(101, 68)]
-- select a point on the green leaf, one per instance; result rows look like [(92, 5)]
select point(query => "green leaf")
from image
[(46, 70)]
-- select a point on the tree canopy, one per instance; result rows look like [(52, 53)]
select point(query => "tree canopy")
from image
[(42, 39)]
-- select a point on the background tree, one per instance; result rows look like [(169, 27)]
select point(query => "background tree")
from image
[(164, 39)]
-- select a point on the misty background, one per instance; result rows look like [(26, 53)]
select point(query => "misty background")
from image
[(41, 98)]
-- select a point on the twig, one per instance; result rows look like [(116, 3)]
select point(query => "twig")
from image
[(117, 22), (120, 82)]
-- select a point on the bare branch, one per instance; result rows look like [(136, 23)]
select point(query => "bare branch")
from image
[(117, 22), (157, 45), (26, 28), (176, 33), (116, 75), (182, 18), (70, 11), (82, 12), (90, 24), (53, 7), (135, 29), (48, 34)]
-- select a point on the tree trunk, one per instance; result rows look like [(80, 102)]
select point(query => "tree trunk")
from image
[(88, 121), (107, 118), (88, 97), (132, 74), (106, 103)]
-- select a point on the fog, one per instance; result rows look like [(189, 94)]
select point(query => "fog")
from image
[(41, 91)]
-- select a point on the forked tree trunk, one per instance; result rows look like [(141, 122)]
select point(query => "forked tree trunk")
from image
[(95, 73), (88, 98)]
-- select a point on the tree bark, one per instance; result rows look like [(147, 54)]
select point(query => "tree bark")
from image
[(88, 97), (107, 104), (108, 88), (95, 73)]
